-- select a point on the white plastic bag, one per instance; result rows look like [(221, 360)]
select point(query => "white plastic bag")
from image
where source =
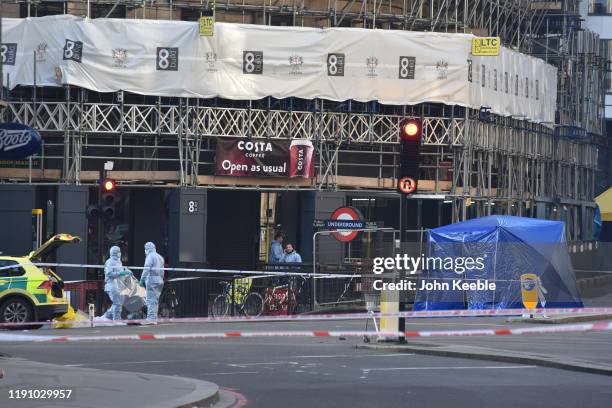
[(133, 296)]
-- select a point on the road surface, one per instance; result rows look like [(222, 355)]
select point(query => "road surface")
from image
[(329, 372)]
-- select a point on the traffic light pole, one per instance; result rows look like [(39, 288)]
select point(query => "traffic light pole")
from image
[(100, 221), (410, 139), (403, 239)]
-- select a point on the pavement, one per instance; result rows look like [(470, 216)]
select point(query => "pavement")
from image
[(99, 388), (493, 354), (329, 372)]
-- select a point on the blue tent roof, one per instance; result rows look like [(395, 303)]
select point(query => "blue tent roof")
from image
[(508, 247), (533, 230)]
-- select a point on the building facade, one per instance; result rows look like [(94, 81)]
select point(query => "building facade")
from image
[(598, 15), (163, 148)]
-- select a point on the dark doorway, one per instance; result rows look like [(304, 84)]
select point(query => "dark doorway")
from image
[(233, 229)]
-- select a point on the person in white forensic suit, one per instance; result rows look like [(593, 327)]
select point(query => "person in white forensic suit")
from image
[(113, 269), (153, 280)]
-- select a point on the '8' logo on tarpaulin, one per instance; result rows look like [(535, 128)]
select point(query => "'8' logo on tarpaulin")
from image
[(167, 59), (73, 50)]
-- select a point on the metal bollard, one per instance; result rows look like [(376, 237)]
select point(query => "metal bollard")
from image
[(233, 295), (289, 294), (92, 313)]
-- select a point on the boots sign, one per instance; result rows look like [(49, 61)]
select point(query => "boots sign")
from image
[(264, 158), (18, 141)]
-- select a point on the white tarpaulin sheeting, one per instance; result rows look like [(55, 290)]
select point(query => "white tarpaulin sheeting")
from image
[(169, 58)]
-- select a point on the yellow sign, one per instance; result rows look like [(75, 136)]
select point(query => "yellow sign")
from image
[(207, 24), (529, 290), (486, 46), (389, 303)]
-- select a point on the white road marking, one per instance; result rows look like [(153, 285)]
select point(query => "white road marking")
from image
[(447, 368), (453, 324), (265, 363), (128, 362), (234, 372), (356, 355), (366, 371)]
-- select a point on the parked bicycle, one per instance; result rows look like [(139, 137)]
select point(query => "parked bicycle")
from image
[(277, 300), (247, 302), (168, 301)]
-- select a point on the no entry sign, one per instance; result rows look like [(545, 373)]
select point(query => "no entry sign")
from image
[(347, 218)]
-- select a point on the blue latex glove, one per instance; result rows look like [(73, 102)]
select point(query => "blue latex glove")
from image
[(124, 273), (142, 282)]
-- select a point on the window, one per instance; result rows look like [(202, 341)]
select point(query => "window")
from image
[(484, 76), (44, 8), (103, 10), (280, 20), (600, 6), (516, 85), (506, 82), (495, 80), (17, 271), (607, 53)]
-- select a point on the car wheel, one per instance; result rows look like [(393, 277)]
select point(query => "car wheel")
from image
[(17, 311)]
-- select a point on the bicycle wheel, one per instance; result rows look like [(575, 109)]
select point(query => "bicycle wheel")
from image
[(167, 305), (220, 306), (253, 304)]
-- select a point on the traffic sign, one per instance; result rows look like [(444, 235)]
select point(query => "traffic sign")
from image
[(529, 290), (407, 185), (347, 218)]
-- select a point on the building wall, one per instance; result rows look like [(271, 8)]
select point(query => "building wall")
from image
[(71, 219), (602, 24), (16, 207)]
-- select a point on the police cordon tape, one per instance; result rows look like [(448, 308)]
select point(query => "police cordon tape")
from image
[(263, 274), (204, 270), (334, 316), (565, 328)]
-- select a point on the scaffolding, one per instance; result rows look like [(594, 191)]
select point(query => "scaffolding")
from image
[(483, 164), (515, 21)]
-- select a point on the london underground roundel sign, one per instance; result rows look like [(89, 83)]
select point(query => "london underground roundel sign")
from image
[(349, 215)]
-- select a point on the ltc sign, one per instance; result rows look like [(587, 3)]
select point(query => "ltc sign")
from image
[(345, 223), (486, 46)]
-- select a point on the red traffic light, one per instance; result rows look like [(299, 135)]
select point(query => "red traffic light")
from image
[(410, 128), (108, 185)]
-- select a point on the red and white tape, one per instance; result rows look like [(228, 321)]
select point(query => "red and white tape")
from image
[(337, 316), (566, 328)]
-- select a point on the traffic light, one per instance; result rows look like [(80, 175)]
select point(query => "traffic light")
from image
[(411, 135), (108, 198), (93, 211), (108, 185)]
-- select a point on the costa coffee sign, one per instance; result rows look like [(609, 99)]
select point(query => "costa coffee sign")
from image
[(18, 141), (264, 158)]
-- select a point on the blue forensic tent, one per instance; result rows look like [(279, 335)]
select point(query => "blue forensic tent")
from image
[(508, 247)]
